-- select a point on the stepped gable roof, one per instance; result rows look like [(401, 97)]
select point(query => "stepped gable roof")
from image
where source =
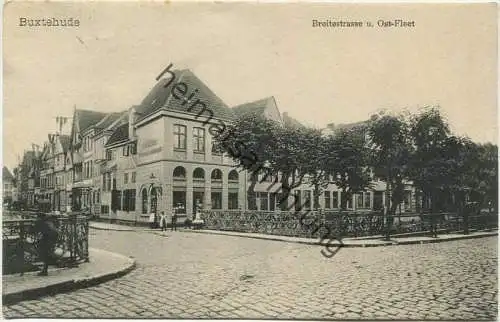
[(65, 142), (290, 121), (88, 118), (119, 135), (256, 107), (161, 96), (7, 175)]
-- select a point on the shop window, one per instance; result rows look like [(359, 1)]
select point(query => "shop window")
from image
[(233, 200), (216, 200)]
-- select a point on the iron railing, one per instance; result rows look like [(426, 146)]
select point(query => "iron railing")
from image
[(21, 243), (334, 224)]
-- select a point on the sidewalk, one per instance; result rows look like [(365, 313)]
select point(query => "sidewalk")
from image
[(103, 266), (114, 227), (351, 242), (368, 241)]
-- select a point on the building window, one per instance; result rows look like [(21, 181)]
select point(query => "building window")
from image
[(216, 200), (298, 200), (116, 200), (125, 178), (133, 148), (125, 151), (307, 199), (335, 199), (199, 174), (233, 200), (180, 173), (132, 179), (217, 149), (109, 155), (328, 200), (179, 136), (367, 200), (252, 201), (216, 175), (179, 200), (129, 200), (198, 139), (98, 196), (359, 199), (316, 201), (233, 176), (108, 181), (264, 200)]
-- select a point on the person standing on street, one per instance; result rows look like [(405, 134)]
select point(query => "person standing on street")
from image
[(163, 221), (152, 220), (48, 240), (174, 221)]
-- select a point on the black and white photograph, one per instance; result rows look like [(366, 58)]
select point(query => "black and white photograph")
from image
[(250, 160)]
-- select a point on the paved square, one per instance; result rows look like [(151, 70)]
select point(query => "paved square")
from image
[(188, 275)]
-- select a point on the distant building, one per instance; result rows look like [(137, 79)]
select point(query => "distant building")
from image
[(9, 186)]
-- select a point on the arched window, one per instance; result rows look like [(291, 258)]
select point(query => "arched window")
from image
[(233, 176), (144, 201), (216, 175), (199, 174), (180, 173)]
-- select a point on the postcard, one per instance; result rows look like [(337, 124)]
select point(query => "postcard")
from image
[(250, 160)]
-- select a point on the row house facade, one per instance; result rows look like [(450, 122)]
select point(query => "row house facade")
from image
[(158, 156)]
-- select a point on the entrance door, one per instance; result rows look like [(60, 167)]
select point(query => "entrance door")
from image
[(154, 200)]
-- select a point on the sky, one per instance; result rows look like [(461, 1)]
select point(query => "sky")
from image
[(246, 52)]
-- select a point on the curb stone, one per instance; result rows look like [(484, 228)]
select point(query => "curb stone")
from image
[(112, 229), (381, 243), (67, 286)]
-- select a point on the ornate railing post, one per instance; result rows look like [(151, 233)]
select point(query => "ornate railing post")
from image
[(466, 221), (86, 240), (72, 239), (20, 247)]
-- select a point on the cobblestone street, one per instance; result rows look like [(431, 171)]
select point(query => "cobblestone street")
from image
[(188, 275)]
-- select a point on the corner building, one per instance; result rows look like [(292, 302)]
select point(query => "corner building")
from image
[(159, 155)]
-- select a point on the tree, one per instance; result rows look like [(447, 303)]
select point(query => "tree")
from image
[(262, 146), (435, 160), (347, 162), (390, 155)]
